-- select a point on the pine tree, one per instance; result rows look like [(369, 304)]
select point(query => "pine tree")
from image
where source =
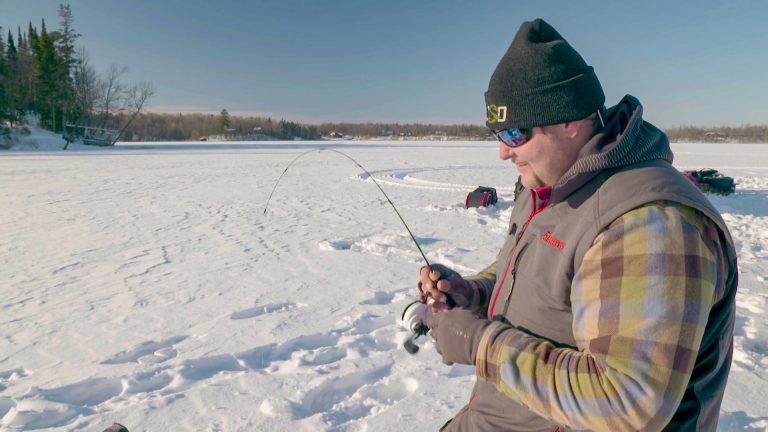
[(11, 46), (68, 36), (224, 121), (32, 35), (66, 51), (11, 78), (3, 80), (52, 79), (25, 77)]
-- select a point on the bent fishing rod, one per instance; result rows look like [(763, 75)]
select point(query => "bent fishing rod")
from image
[(414, 322)]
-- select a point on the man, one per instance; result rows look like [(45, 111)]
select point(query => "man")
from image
[(611, 304)]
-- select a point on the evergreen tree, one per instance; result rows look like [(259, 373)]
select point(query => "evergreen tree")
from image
[(32, 35), (224, 120), (66, 51), (11, 79), (3, 79), (11, 46), (68, 36), (52, 79), (25, 77)]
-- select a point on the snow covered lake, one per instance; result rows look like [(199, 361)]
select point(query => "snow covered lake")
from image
[(144, 285)]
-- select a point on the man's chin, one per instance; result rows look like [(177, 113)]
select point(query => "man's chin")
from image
[(529, 181)]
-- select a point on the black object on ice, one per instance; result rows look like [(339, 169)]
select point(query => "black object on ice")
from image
[(483, 196), (116, 427), (712, 181)]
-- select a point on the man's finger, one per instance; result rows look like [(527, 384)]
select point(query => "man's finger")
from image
[(439, 307), (444, 285), (436, 295)]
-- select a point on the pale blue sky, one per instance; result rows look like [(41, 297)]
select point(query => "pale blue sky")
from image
[(689, 62)]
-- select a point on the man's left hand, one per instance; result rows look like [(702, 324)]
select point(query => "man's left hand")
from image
[(457, 333)]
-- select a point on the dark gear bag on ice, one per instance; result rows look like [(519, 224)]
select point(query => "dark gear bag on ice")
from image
[(483, 196), (712, 181)]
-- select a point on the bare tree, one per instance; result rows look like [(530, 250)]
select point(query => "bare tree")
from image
[(111, 93), (86, 86), (136, 97)]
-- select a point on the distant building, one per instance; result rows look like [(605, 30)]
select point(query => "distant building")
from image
[(715, 136)]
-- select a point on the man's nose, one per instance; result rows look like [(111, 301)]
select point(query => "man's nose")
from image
[(505, 151)]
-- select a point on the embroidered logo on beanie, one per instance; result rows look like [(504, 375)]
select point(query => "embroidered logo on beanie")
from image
[(497, 114)]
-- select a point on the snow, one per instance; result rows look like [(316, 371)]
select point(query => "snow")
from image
[(143, 284)]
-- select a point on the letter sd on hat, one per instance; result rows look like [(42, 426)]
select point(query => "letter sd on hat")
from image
[(541, 80)]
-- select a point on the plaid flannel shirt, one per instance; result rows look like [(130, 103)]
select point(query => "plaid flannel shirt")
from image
[(641, 300)]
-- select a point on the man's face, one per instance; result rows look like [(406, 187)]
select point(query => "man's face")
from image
[(544, 158)]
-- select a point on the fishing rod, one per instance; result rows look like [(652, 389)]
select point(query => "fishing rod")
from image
[(369, 176), (413, 317)]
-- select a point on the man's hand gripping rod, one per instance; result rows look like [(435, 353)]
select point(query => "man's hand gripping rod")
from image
[(415, 315)]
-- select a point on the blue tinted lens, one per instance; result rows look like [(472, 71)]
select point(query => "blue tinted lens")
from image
[(513, 137)]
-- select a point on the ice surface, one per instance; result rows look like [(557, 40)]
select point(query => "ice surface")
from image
[(143, 284)]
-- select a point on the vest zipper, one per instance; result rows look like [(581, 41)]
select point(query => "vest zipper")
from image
[(492, 307), (539, 201), (513, 273)]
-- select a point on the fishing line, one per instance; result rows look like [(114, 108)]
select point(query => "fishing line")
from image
[(369, 176), (417, 327)]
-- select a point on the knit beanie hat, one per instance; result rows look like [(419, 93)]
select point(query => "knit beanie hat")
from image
[(541, 80)]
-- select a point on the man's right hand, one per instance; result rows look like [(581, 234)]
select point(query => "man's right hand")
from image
[(450, 284)]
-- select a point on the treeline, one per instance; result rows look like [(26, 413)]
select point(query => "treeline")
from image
[(183, 127), (731, 134), (408, 129), (42, 73)]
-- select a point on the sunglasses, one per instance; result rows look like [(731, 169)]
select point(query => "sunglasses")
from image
[(513, 137)]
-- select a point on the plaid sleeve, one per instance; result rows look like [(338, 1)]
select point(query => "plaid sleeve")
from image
[(641, 300), (482, 287)]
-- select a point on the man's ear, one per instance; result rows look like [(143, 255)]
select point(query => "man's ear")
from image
[(572, 130)]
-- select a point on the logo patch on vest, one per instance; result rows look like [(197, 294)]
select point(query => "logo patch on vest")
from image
[(553, 241)]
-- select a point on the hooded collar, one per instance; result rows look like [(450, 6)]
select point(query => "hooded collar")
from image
[(626, 139)]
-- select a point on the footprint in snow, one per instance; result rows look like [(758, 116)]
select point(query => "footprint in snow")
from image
[(87, 393), (387, 298), (325, 396), (5, 405), (313, 349), (369, 323), (370, 332), (262, 310), (11, 376), (331, 245), (380, 298), (147, 382), (355, 396), (31, 414), (149, 352), (206, 367)]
